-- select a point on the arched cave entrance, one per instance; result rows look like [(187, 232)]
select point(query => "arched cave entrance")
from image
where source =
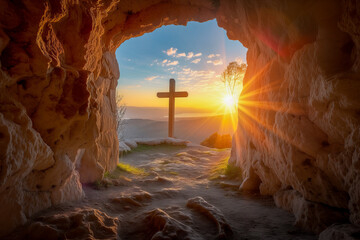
[(194, 55), (58, 78)]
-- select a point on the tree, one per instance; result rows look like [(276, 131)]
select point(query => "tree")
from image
[(120, 112), (232, 77)]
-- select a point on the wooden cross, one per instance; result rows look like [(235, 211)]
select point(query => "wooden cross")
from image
[(171, 95)]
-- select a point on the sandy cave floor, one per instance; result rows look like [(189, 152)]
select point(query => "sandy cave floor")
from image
[(170, 197)]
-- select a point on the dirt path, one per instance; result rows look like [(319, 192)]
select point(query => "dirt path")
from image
[(165, 192)]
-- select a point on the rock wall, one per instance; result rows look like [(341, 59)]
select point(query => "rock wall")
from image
[(57, 93), (298, 136), (299, 111)]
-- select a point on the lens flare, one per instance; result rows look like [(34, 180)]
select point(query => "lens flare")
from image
[(229, 101)]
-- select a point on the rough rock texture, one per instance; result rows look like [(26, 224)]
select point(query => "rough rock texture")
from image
[(312, 216), (162, 226), (57, 93), (340, 232), (78, 224), (299, 110), (299, 116), (198, 204)]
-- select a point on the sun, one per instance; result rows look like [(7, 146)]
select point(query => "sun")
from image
[(229, 101)]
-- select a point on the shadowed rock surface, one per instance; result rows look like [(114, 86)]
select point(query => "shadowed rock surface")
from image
[(299, 125), (200, 205)]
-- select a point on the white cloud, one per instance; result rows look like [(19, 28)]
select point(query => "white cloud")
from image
[(165, 61), (216, 62), (196, 60), (213, 55), (197, 79), (190, 55), (200, 75), (172, 63), (171, 51), (151, 78), (181, 55)]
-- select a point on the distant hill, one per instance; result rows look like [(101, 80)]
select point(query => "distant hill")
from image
[(161, 113), (194, 129)]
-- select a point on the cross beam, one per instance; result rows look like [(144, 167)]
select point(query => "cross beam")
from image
[(171, 95)]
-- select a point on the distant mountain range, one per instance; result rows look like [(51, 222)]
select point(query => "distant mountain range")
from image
[(161, 113), (194, 129)]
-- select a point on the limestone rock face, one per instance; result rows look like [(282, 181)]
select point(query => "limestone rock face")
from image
[(299, 110), (299, 126), (57, 93)]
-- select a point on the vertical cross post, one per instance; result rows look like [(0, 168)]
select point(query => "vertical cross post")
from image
[(171, 107), (171, 95)]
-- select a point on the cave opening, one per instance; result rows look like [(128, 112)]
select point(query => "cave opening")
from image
[(298, 140), (194, 55)]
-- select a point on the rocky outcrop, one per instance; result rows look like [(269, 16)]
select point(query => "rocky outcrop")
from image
[(87, 223), (57, 93), (299, 110), (198, 204)]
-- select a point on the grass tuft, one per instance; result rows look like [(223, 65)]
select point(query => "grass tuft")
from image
[(230, 171), (123, 167), (100, 184), (118, 173), (233, 172), (108, 175), (142, 147)]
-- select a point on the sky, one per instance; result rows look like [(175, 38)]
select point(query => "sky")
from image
[(194, 55)]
